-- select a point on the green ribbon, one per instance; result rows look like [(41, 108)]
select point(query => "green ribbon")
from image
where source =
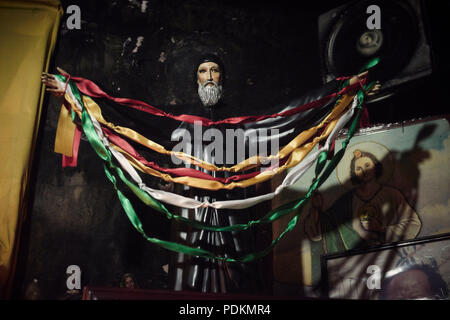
[(91, 134), (273, 215), (369, 65)]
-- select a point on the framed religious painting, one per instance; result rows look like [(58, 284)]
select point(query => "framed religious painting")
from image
[(389, 186), (406, 270)]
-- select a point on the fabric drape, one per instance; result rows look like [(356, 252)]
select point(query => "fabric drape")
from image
[(28, 32)]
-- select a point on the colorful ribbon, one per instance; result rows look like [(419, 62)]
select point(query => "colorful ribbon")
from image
[(249, 163), (322, 172), (273, 215), (91, 89), (292, 177), (296, 155), (178, 200)]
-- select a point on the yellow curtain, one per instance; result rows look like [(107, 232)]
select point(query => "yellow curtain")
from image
[(28, 31)]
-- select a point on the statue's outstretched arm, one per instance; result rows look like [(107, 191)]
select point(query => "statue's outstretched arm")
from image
[(51, 84), (372, 91)]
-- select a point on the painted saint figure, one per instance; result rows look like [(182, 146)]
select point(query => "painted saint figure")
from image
[(414, 282), (371, 213), (377, 213)]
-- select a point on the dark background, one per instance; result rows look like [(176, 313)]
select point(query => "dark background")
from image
[(271, 55)]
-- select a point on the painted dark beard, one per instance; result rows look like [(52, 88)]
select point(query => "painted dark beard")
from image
[(209, 95)]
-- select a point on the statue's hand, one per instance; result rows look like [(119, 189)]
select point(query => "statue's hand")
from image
[(375, 89), (357, 78), (52, 85), (373, 225)]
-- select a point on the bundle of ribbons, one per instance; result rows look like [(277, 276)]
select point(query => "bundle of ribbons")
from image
[(113, 143)]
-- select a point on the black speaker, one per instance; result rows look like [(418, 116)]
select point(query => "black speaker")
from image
[(347, 42)]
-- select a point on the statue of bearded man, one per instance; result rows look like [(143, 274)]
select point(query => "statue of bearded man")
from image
[(209, 275), (196, 273), (209, 80)]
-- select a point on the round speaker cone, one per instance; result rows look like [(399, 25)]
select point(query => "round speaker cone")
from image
[(351, 44)]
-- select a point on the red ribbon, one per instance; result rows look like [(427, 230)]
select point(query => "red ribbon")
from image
[(73, 160), (364, 121), (180, 172), (89, 88)]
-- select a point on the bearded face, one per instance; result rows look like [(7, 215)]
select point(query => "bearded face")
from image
[(209, 93), (209, 83)]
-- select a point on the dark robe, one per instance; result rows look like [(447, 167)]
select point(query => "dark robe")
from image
[(208, 275)]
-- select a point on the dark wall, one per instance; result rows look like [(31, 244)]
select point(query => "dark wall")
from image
[(270, 53)]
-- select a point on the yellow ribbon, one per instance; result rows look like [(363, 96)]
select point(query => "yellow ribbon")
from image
[(296, 149), (94, 110), (65, 132), (295, 157)]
